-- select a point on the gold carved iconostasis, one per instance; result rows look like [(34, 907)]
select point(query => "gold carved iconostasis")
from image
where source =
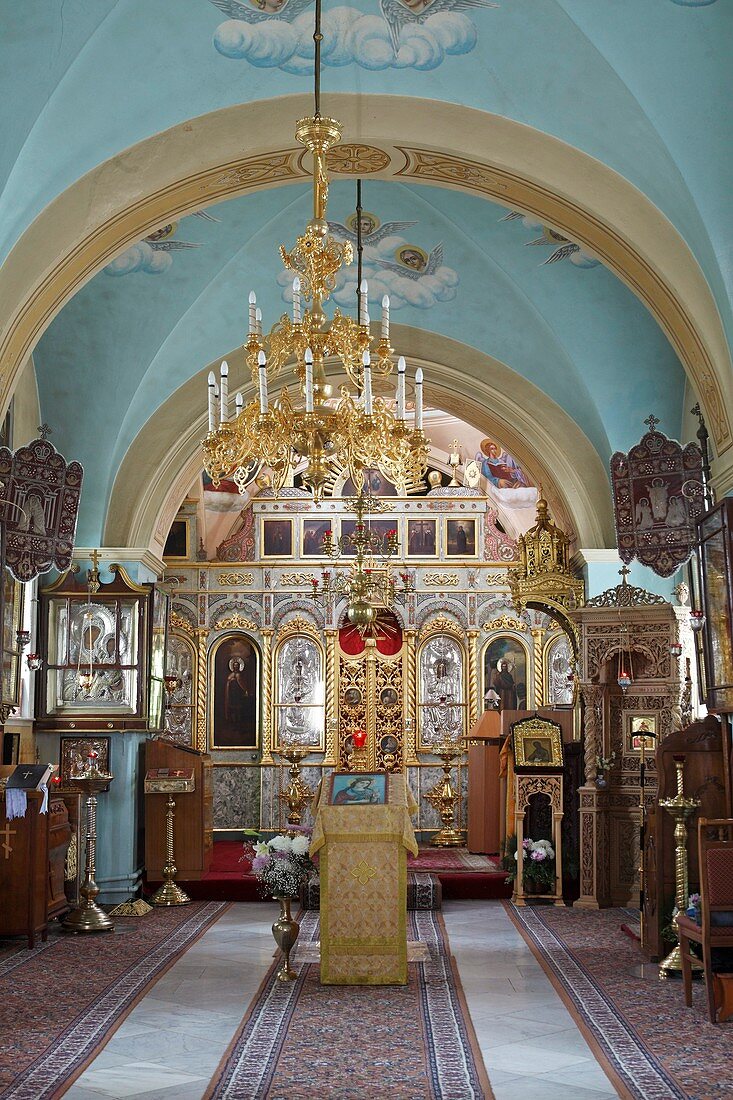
[(258, 660)]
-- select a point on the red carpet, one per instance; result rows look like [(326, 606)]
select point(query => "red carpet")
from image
[(461, 875)]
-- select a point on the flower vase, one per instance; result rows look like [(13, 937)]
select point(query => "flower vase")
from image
[(601, 782), (285, 930)]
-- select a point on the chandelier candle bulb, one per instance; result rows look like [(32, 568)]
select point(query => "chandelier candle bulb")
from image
[(385, 317), (418, 399), (364, 302), (224, 411), (308, 380), (258, 321), (212, 401), (368, 404), (297, 318), (252, 313), (239, 403), (401, 368), (262, 380)]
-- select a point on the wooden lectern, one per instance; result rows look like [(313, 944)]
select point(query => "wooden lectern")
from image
[(484, 801), (194, 834)]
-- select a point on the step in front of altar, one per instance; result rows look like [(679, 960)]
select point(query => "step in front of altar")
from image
[(423, 892)]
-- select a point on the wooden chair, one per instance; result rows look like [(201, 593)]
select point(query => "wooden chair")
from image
[(715, 847)]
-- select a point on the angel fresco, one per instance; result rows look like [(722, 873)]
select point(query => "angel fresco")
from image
[(401, 13), (564, 249), (412, 262), (152, 254), (416, 34), (372, 230)]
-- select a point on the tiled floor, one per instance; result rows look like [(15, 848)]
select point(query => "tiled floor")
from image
[(171, 1043)]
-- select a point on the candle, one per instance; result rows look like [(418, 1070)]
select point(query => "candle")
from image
[(359, 738), (224, 411), (367, 383), (401, 368), (252, 313), (296, 301), (385, 317), (212, 400), (308, 380), (258, 321), (262, 368), (418, 399), (239, 402), (363, 302)]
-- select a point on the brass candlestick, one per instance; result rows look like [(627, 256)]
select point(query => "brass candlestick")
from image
[(297, 794), (443, 798), (681, 809), (88, 916), (169, 893)]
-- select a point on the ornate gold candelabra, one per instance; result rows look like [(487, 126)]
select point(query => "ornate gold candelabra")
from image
[(88, 916), (297, 794), (443, 797), (169, 893), (681, 809)]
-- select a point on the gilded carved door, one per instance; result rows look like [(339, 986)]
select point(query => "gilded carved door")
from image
[(370, 697)]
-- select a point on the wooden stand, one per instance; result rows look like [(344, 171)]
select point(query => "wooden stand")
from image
[(524, 787), (193, 817), (24, 871), (484, 795)]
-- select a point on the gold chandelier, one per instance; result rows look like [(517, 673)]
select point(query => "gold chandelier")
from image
[(360, 432), (368, 584)]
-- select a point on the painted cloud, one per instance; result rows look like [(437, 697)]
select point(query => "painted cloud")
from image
[(349, 37)]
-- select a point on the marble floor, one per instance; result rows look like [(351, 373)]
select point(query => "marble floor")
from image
[(172, 1041)]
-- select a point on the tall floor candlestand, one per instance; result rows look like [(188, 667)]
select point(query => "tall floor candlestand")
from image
[(169, 892), (297, 794), (642, 840), (443, 797), (88, 916), (681, 809)]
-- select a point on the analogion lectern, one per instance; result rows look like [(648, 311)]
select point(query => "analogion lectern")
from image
[(484, 794), (363, 869)]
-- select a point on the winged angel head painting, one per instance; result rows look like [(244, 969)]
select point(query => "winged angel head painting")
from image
[(399, 34)]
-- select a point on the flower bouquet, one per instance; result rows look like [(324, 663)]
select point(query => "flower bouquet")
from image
[(538, 870), (282, 865)]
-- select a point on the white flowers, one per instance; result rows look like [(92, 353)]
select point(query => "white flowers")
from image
[(280, 844), (300, 845), (261, 849)]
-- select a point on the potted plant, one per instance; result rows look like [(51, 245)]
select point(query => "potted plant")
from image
[(282, 864), (538, 864)]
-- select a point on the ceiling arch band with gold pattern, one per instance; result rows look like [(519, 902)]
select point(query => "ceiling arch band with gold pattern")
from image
[(198, 163)]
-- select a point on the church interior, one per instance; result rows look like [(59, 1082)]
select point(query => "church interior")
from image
[(366, 549)]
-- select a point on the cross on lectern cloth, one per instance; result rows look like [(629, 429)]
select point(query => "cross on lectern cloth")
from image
[(7, 832), (652, 421)]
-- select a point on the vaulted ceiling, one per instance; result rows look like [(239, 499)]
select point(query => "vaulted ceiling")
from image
[(619, 113)]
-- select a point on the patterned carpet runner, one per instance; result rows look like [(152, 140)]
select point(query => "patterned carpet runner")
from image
[(650, 1044), (301, 1039), (61, 1002)]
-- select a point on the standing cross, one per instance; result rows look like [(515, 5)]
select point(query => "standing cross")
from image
[(7, 832), (624, 573), (44, 431), (652, 421)]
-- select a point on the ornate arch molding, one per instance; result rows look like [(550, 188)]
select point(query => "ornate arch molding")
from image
[(199, 162), (163, 461)]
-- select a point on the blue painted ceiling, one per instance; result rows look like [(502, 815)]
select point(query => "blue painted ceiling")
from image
[(643, 87)]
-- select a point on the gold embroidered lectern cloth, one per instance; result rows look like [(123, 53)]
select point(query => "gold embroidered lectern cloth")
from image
[(363, 870)]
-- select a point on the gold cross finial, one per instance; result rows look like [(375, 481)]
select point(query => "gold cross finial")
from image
[(44, 431), (624, 571)]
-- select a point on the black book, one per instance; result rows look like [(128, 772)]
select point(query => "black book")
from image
[(30, 777)]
